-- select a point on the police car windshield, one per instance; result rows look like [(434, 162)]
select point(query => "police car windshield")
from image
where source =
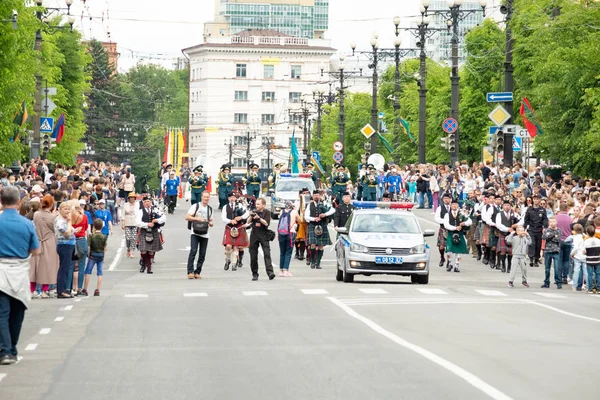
[(385, 223), (295, 185)]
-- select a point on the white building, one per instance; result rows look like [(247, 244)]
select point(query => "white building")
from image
[(247, 84)]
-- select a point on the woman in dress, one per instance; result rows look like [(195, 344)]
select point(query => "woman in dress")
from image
[(129, 225), (44, 267)]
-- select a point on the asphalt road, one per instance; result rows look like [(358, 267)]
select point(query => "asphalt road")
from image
[(161, 336)]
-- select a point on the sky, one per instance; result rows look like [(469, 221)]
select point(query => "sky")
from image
[(156, 30)]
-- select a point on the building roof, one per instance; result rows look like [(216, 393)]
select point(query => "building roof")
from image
[(262, 32)]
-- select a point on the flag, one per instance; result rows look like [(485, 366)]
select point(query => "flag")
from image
[(318, 164), (59, 129), (172, 149), (166, 155), (295, 155), (406, 128), (20, 119), (180, 147), (386, 144), (532, 124)]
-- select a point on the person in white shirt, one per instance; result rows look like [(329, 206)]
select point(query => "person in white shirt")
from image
[(150, 220), (440, 214), (235, 238), (506, 222), (199, 212), (579, 257)]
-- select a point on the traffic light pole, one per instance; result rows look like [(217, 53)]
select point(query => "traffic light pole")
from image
[(508, 84)]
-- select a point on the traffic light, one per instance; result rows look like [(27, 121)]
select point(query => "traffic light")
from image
[(499, 141), (451, 143), (444, 142), (46, 143)]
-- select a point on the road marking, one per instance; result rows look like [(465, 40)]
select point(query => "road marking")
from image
[(78, 300), (31, 347), (314, 291), (67, 308), (425, 300), (550, 295), (136, 296), (491, 293), (373, 291), (117, 258), (432, 291), (195, 295), (59, 319), (558, 310), (2, 376), (255, 293), (45, 331), (468, 377)]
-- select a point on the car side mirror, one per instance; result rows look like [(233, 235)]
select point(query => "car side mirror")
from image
[(428, 232), (341, 229)]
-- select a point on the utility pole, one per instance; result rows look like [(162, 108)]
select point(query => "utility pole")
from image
[(454, 83), (230, 151), (37, 107), (508, 82), (374, 110)]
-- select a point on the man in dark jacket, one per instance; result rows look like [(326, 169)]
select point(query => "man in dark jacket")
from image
[(536, 220)]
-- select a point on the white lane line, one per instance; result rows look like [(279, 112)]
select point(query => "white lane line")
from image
[(136, 296), (491, 293), (558, 310), (255, 293), (31, 347), (59, 319), (195, 295), (67, 308), (262, 254), (2, 376), (45, 331), (117, 258), (383, 302), (19, 358), (550, 295), (373, 291), (432, 291), (314, 291), (77, 300), (468, 377)]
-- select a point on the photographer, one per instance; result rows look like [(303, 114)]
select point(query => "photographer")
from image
[(199, 212), (260, 218)]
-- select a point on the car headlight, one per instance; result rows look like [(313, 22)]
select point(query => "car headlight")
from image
[(420, 249), (358, 248)]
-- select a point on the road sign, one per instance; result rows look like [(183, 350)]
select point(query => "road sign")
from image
[(48, 105), (338, 146), (517, 144), (493, 130), (381, 115), (450, 125), (367, 131), (499, 116), (46, 125), (498, 97), (522, 133), (316, 155), (338, 157)]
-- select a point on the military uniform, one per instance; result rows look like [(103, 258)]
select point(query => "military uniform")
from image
[(309, 170), (370, 184), (198, 183), (339, 181), (253, 181), (225, 183)]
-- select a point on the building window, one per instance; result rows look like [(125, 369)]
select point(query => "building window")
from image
[(269, 71), (193, 74), (296, 71), (296, 119), (297, 140), (268, 96), (223, 31), (241, 95), (268, 118), (239, 162), (240, 141), (266, 163), (295, 97), (192, 119), (240, 70), (240, 118)]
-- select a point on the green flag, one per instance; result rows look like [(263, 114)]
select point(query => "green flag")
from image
[(386, 144), (406, 128)]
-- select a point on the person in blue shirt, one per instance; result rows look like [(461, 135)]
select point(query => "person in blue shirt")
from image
[(172, 186), (105, 216), (395, 185), (17, 242)]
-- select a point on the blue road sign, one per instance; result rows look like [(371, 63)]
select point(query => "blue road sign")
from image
[(46, 125), (517, 144), (450, 125), (381, 115), (498, 97), (316, 155), (493, 130), (338, 157)]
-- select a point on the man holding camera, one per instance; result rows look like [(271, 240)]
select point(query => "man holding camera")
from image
[(261, 217), (199, 212)]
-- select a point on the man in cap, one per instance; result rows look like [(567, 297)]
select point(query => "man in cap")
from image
[(149, 221), (253, 181), (456, 223), (370, 184), (343, 211), (36, 192), (198, 183), (316, 214), (310, 169), (234, 237), (440, 215), (339, 182), (225, 183), (172, 186), (535, 221), (106, 217), (274, 176)]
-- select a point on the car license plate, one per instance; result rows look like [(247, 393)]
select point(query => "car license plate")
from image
[(388, 260)]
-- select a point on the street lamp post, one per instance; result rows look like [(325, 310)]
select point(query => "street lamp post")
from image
[(453, 16), (508, 81), (320, 99), (397, 43)]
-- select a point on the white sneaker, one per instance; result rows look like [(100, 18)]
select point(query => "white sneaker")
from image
[(36, 295), (569, 281), (584, 287)]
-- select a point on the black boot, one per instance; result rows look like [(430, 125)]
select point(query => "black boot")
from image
[(143, 264), (227, 263), (502, 261), (478, 252), (448, 266), (442, 258), (319, 256), (301, 248), (492, 259), (309, 255), (486, 256), (240, 263)]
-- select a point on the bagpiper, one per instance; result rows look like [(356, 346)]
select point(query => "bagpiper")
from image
[(456, 223), (369, 182), (198, 182), (149, 221), (252, 181), (316, 214), (225, 182), (339, 182), (234, 237), (489, 239), (440, 214), (506, 223)]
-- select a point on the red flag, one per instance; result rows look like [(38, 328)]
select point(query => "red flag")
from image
[(166, 156), (59, 129), (532, 124)]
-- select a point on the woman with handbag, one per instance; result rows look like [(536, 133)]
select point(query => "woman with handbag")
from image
[(234, 236), (149, 220), (199, 218)]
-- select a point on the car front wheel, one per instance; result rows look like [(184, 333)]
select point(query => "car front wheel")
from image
[(423, 279), (348, 278)]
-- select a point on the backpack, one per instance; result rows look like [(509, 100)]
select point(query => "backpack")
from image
[(284, 223)]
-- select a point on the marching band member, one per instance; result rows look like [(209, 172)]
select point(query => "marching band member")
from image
[(343, 211), (310, 170), (360, 185), (234, 237), (338, 180), (440, 214), (480, 201), (198, 183), (274, 176), (488, 237), (302, 231), (370, 184), (253, 182), (316, 214), (149, 220), (456, 223), (506, 223), (225, 183)]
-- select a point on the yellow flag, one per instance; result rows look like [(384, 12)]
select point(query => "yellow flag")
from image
[(180, 147)]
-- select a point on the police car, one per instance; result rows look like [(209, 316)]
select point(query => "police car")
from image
[(288, 188), (382, 238)]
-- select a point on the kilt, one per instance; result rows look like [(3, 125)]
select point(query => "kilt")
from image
[(301, 234), (460, 248), (501, 247), (153, 246), (478, 231), (441, 240), (322, 240), (487, 237), (240, 241)]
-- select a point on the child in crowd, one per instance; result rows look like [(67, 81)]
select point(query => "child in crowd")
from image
[(578, 256), (412, 190), (592, 259), (552, 237), (519, 241), (97, 248)]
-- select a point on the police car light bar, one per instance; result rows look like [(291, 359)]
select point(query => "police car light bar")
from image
[(288, 175), (383, 204)]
